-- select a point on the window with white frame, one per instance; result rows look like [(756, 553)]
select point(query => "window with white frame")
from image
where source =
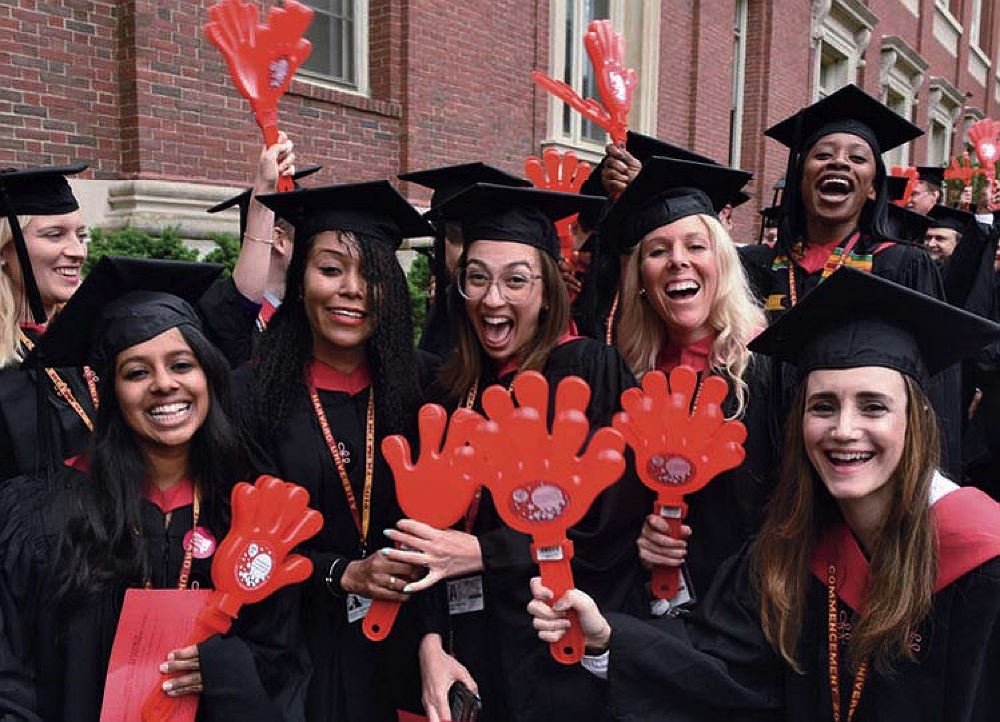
[(943, 108), (841, 31), (638, 21), (339, 36), (741, 9)]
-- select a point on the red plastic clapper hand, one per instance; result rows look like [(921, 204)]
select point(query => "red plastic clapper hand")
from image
[(983, 136), (678, 450), (544, 483), (615, 82), (262, 59), (436, 490), (269, 519), (558, 172)]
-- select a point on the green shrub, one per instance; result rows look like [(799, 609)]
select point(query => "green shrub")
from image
[(226, 251), (135, 243), (419, 281)]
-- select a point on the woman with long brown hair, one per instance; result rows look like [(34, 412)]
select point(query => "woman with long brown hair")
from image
[(873, 588), (512, 313)]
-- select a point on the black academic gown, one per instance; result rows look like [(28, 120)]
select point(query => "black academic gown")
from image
[(767, 271), (228, 318), (593, 305), (54, 657), (517, 676), (717, 664), (730, 509), (354, 679)]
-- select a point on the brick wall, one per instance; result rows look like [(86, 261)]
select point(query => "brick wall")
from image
[(133, 88)]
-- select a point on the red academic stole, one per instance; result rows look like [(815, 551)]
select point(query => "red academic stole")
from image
[(968, 529)]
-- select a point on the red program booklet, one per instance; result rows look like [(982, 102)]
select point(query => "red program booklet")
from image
[(153, 622)]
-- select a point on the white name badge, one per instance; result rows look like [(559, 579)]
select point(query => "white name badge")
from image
[(466, 595), (671, 607), (357, 607)]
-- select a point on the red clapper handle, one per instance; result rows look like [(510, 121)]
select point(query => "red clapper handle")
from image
[(437, 490), (269, 519), (540, 480), (679, 447), (262, 59), (666, 581)]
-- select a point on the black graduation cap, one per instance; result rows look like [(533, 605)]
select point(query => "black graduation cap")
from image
[(735, 201), (848, 110), (520, 215), (771, 214), (449, 180), (36, 192), (643, 147), (931, 174), (243, 199), (896, 186), (667, 190), (374, 209), (123, 302), (857, 319), (942, 216), (904, 224)]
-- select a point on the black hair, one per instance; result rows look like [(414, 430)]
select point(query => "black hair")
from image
[(101, 548), (287, 345)]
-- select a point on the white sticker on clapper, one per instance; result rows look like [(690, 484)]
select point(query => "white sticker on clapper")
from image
[(357, 607), (465, 595)]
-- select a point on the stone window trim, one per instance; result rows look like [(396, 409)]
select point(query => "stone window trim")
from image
[(846, 26), (944, 106), (901, 67)]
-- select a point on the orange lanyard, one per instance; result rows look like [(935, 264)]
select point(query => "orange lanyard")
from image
[(793, 292), (362, 519), (182, 578), (609, 330), (64, 391), (832, 639), (473, 511)]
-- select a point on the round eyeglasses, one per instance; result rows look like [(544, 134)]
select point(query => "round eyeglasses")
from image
[(514, 286)]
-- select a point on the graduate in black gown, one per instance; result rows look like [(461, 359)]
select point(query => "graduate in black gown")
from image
[(438, 333), (687, 301), (336, 373), (597, 309), (873, 589), (155, 479), (53, 250), (834, 215), (515, 312)]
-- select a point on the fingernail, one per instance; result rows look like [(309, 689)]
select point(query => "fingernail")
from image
[(170, 657), (389, 532), (167, 686), (163, 667), (407, 589), (385, 551)]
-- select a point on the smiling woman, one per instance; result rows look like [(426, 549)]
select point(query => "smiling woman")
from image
[(336, 374), (873, 588), (144, 507)]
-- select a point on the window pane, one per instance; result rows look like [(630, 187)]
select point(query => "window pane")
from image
[(568, 68), (593, 10), (319, 35)]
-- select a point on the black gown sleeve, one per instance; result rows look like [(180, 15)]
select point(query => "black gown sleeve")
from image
[(230, 320), (716, 664), (258, 671)]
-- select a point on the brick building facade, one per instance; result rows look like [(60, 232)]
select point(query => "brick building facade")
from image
[(133, 87)]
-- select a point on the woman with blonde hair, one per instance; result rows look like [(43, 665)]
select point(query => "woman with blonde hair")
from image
[(686, 301), (873, 589)]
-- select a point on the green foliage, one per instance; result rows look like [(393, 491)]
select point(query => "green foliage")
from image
[(135, 243), (226, 251), (419, 281)]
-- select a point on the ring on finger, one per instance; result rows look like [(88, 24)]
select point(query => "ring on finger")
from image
[(392, 582)]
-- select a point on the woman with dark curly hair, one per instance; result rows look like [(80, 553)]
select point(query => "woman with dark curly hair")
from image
[(336, 373), (143, 508)]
